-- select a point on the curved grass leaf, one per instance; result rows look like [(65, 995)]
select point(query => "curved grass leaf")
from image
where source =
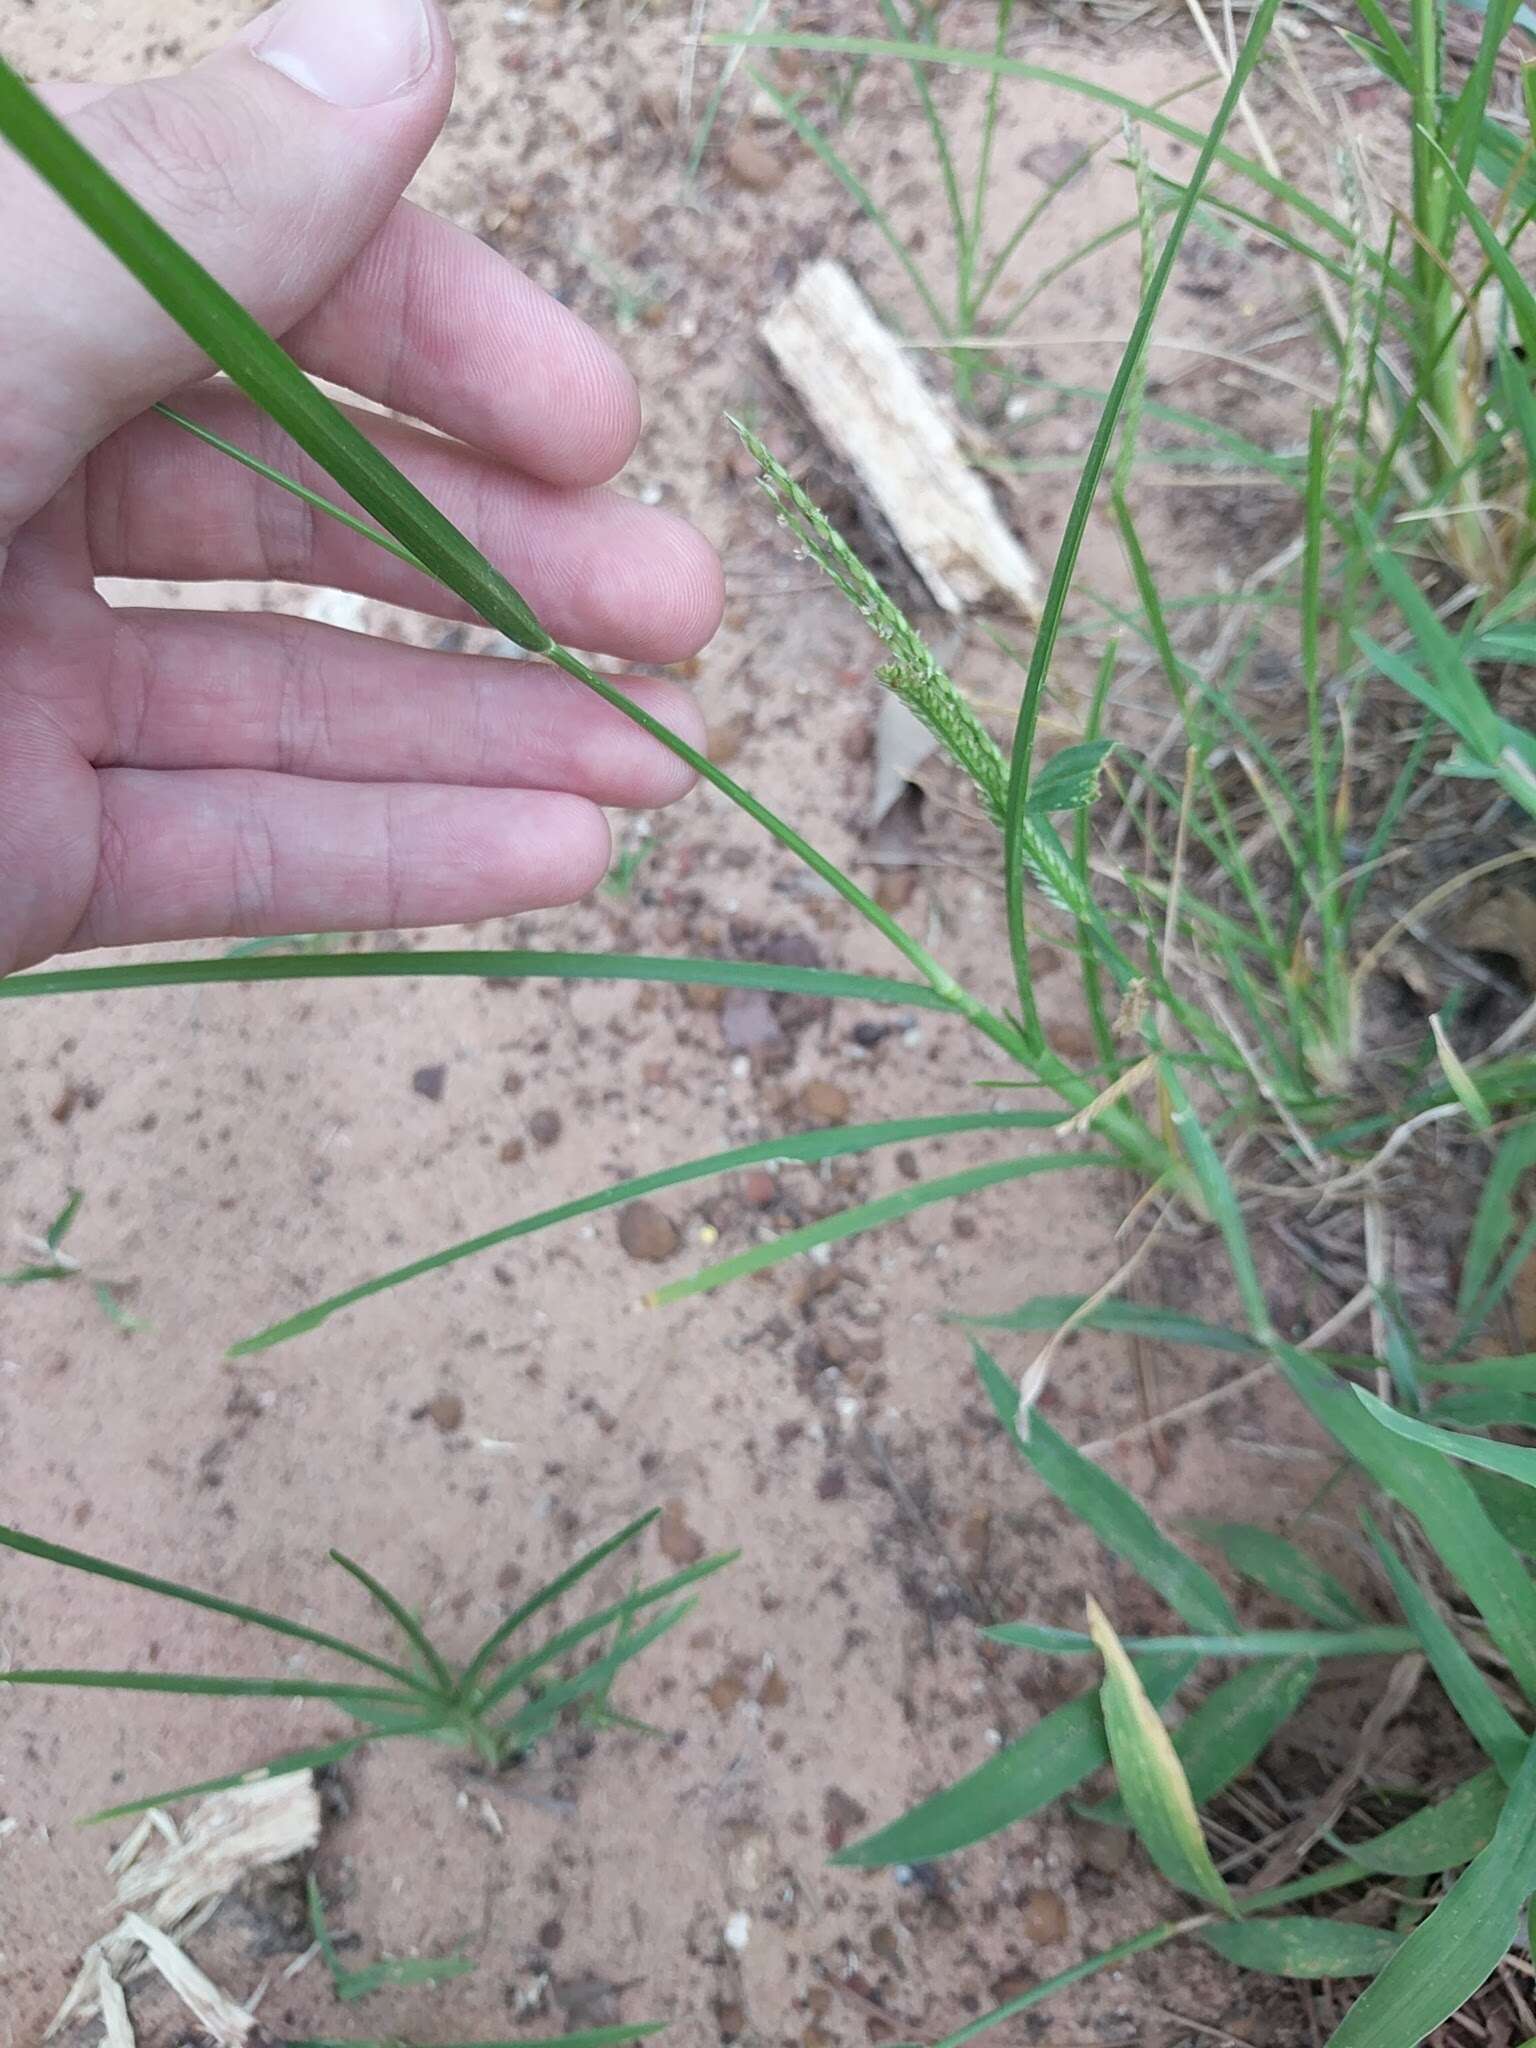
[(1038, 1994), (1510, 1506), (1280, 1568), (1069, 547), (579, 1632), (872, 1216), (1512, 1460), (1515, 1374), (1260, 1643), (1151, 1779), (556, 1589), (1440, 1499), (404, 1620), (279, 1767), (1484, 1716), (486, 966), (1453, 1952), (1026, 1775), (801, 1146), (193, 1682), (1126, 1318), (170, 1589), (1230, 1730), (1440, 1837), (1114, 1515), (538, 1715), (1484, 1272), (1301, 1946)]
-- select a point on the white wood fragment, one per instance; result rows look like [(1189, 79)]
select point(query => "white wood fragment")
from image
[(114, 2009), (865, 396), (177, 1880), (219, 2017)]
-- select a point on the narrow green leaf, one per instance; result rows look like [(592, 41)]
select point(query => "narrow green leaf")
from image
[(1510, 1375), (1038, 1994), (801, 1146), (169, 1589), (872, 1216), (1454, 1951), (64, 1222), (1114, 1515), (1220, 1199), (1510, 1506), (536, 1715), (1128, 1318), (1438, 1495), (1231, 1729), (351, 1985), (1440, 1837), (1301, 1946), (1483, 1408), (1151, 1779), (199, 304), (1377, 1640), (279, 1767), (1512, 1460), (1461, 1083), (1490, 1724), (1278, 1566), (492, 965), (192, 1682), (546, 1596), (1494, 1222), (403, 1619), (1069, 547), (1026, 1775), (568, 1639)]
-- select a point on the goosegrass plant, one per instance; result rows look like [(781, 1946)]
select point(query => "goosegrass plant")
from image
[(1224, 960), (496, 1705)]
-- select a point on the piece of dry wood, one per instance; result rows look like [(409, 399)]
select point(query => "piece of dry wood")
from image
[(863, 392), (226, 2023), (174, 1877)]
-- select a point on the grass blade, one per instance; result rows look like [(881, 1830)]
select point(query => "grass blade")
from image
[(1151, 1778), (169, 1589), (1278, 1566), (487, 966), (194, 1683), (1484, 1716), (1301, 1946), (1440, 1837), (1106, 1959), (532, 1719), (1114, 1515), (1439, 1498), (546, 1596), (1231, 1729), (1494, 1223), (1453, 1952), (1070, 546), (579, 1632), (1375, 1639), (403, 1619), (801, 1147), (226, 333), (279, 1767), (1512, 1460), (1128, 1318), (1028, 1774), (872, 1216)]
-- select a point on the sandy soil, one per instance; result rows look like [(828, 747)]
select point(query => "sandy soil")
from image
[(244, 1151)]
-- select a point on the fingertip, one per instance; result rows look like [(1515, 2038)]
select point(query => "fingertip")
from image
[(639, 770), (557, 849), (662, 596)]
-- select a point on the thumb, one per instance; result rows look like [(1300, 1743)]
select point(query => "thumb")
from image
[(274, 163)]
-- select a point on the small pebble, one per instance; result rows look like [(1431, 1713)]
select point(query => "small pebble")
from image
[(647, 1233), (429, 1081), (545, 1126)]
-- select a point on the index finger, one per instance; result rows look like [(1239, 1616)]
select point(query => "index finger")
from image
[(431, 323)]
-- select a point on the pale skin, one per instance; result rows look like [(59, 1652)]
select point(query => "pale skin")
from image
[(171, 774)]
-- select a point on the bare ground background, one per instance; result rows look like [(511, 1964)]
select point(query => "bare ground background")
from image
[(243, 1151)]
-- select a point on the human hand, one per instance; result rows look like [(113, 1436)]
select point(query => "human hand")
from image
[(176, 774)]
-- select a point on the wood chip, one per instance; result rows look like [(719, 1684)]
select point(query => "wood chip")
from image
[(114, 2009), (864, 393), (224, 2022)]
